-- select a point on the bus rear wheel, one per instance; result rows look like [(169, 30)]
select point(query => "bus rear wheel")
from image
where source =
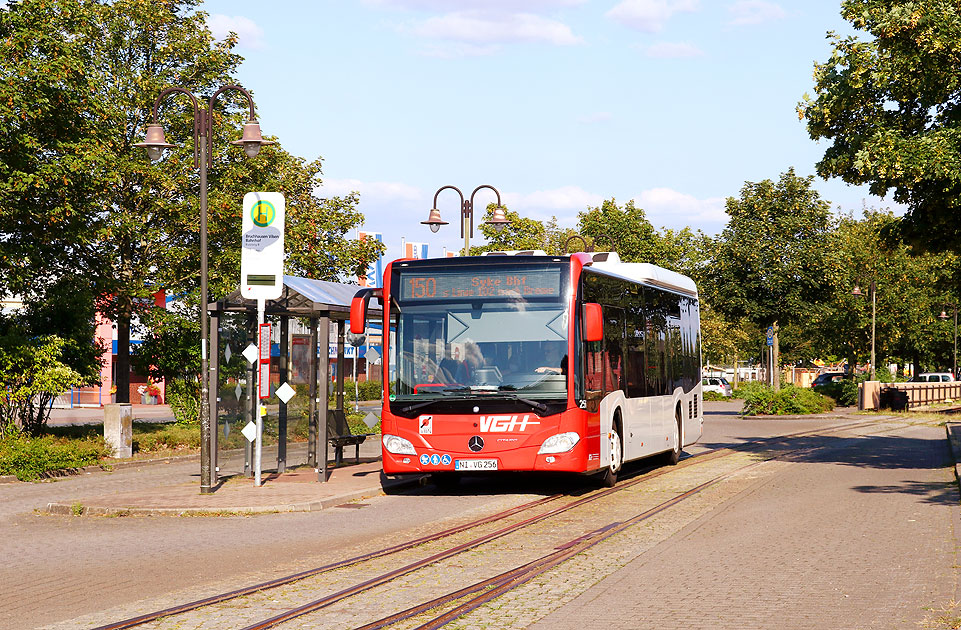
[(609, 478), (674, 455)]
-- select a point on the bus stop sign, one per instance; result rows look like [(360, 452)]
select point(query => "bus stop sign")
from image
[(262, 246)]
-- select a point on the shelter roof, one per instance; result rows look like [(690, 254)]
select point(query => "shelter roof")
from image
[(301, 297)]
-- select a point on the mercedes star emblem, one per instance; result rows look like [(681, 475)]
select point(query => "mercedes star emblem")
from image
[(476, 443)]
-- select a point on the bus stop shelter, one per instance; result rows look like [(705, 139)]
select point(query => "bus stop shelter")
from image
[(319, 303)]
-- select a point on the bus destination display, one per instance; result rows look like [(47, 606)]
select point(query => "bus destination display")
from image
[(472, 284)]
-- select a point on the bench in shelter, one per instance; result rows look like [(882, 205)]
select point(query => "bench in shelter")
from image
[(339, 435)]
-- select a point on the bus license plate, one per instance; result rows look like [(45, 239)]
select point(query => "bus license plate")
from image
[(475, 464)]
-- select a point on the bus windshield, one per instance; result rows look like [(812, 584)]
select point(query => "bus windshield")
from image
[(465, 331)]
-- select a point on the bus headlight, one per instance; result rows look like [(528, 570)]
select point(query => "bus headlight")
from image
[(560, 443), (398, 445)]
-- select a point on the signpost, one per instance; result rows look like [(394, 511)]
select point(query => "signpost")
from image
[(262, 279), (770, 355)]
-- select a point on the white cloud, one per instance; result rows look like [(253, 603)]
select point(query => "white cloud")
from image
[(673, 209), (746, 12), (249, 35), (484, 28), (649, 15), (673, 50)]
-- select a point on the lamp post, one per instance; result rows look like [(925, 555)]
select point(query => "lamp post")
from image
[(467, 214), (944, 315), (873, 289), (155, 143)]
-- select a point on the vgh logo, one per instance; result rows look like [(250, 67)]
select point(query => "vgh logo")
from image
[(503, 424)]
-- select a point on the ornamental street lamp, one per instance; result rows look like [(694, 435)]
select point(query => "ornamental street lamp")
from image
[(873, 290), (155, 143), (499, 219), (587, 248), (944, 315)]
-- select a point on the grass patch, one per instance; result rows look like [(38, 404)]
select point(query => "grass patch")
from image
[(76, 446), (30, 458)]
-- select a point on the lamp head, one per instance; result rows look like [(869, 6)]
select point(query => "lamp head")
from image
[(857, 291), (155, 142), (434, 221), (499, 220), (251, 140), (943, 315)]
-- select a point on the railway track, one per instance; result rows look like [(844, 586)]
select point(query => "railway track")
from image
[(565, 526)]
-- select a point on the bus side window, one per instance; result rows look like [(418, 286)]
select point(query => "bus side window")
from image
[(613, 348)]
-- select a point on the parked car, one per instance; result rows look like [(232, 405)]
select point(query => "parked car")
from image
[(827, 378), (716, 384), (932, 377)]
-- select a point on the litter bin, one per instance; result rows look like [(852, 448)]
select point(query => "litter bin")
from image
[(894, 399)]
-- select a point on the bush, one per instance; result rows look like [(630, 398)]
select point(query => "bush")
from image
[(746, 388), (29, 458), (790, 400), (183, 396), (713, 396), (367, 390), (845, 392)]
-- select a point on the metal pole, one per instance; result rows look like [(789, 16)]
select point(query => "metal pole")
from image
[(312, 395), (467, 212), (323, 389), (251, 402), (259, 442), (284, 365), (954, 374), (205, 485), (874, 303), (214, 404)]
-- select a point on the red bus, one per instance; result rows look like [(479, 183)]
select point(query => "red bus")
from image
[(525, 361)]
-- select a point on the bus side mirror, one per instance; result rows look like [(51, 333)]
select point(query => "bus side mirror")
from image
[(593, 322), (358, 309)]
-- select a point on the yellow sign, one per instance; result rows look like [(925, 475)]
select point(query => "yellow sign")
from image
[(263, 213)]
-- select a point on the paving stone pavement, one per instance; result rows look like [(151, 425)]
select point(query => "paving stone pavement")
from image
[(864, 533)]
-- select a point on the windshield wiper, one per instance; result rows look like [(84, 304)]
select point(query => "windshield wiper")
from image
[(506, 392), (446, 396)]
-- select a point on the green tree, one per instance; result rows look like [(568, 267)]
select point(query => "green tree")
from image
[(78, 80), (521, 234), (626, 229), (47, 348), (31, 375), (888, 105), (769, 264)]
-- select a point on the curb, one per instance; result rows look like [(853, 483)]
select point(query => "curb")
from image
[(386, 485), (954, 439)]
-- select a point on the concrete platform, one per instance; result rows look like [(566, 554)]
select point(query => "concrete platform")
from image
[(294, 491)]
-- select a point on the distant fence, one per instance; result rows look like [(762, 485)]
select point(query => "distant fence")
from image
[(900, 396)]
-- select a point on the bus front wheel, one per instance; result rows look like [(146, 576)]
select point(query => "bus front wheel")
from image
[(609, 477)]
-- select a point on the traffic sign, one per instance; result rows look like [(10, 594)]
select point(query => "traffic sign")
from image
[(262, 246), (770, 335)]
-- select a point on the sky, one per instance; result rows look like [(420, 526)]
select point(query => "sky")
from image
[(558, 104)]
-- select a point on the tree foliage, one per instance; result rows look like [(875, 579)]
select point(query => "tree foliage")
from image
[(522, 234), (31, 374), (888, 105), (78, 80), (769, 265)]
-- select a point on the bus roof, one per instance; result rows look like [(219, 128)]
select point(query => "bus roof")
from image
[(609, 263), (648, 274)]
